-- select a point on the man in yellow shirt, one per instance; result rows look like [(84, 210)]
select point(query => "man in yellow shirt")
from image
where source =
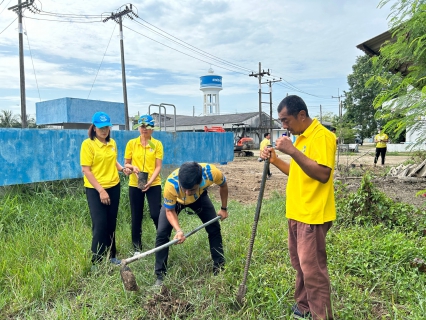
[(310, 207), (265, 142), (381, 139), (186, 187)]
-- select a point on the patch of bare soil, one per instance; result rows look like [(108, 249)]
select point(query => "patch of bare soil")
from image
[(164, 305), (244, 176)]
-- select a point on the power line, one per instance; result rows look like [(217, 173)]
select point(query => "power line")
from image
[(34, 9), (101, 61), (6, 6), (208, 62), (9, 25), (32, 61), (189, 46), (69, 21)]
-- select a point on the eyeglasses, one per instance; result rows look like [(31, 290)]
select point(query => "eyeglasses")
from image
[(146, 126)]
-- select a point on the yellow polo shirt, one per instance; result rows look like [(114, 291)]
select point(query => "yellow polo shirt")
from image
[(144, 158), (381, 136), (264, 143), (173, 192), (102, 161), (308, 200)]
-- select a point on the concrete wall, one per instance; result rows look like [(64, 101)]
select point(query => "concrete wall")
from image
[(404, 147), (35, 155)]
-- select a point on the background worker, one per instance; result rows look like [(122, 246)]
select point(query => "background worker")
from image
[(144, 154), (310, 207), (381, 139), (187, 187), (333, 130), (98, 159), (265, 142)]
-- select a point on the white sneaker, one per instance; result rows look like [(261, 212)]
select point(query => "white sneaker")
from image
[(136, 253)]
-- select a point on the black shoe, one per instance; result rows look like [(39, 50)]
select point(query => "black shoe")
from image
[(300, 314), (218, 269), (159, 281)]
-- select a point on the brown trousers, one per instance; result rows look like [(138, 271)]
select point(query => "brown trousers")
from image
[(308, 257)]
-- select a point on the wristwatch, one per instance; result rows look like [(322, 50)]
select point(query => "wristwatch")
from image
[(224, 208)]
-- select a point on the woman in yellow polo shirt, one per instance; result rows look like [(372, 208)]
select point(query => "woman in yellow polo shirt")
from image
[(98, 159), (144, 154), (381, 139)]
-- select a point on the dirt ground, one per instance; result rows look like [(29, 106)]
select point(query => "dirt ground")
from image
[(244, 176)]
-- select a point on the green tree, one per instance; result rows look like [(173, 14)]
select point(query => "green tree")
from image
[(402, 98), (8, 119), (359, 99)]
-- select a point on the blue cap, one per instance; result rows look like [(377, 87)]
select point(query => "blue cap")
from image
[(101, 119), (146, 120)]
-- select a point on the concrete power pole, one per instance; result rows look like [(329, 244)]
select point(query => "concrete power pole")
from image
[(18, 9), (339, 133), (259, 76), (271, 122), (118, 18)]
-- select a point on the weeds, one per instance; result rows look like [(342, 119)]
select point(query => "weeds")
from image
[(369, 206), (45, 261)]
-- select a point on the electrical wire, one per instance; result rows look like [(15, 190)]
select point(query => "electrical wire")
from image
[(31, 54), (101, 62), (184, 52), (8, 25), (189, 46), (69, 21), (75, 18), (6, 6), (56, 14)]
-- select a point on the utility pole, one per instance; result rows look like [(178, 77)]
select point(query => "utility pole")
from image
[(271, 122), (321, 114), (18, 9), (340, 108), (339, 133), (259, 76), (118, 18)]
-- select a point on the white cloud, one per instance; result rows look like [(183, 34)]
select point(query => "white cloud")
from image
[(311, 44)]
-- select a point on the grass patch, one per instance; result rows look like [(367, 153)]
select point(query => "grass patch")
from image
[(45, 231)]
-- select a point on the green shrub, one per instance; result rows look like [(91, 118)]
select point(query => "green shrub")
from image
[(370, 206)]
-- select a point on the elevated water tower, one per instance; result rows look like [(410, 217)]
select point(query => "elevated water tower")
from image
[(211, 84)]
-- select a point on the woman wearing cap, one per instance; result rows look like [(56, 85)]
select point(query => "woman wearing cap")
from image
[(98, 159), (144, 154)]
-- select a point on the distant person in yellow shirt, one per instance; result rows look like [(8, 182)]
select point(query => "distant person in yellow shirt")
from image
[(265, 142), (310, 205), (335, 136), (381, 139)]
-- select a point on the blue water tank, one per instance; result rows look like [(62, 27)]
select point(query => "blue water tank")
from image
[(211, 81)]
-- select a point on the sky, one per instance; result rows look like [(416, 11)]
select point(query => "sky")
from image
[(70, 52)]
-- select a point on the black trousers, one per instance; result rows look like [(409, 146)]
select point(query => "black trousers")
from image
[(205, 210), (382, 153), (104, 222), (137, 199)]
